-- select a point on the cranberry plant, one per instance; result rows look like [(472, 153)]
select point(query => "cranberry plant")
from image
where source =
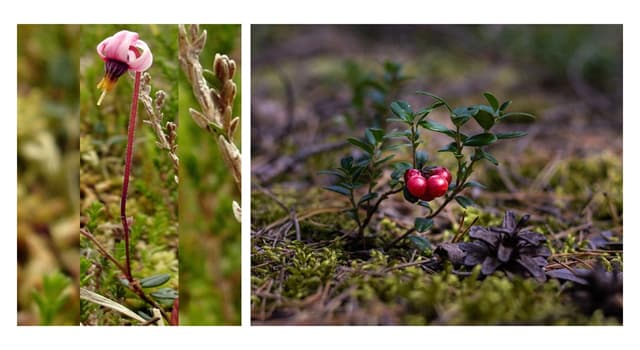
[(421, 181)]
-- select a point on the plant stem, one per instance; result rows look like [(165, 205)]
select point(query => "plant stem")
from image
[(373, 209), (127, 172)]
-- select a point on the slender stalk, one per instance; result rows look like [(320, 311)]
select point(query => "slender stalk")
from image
[(127, 172)]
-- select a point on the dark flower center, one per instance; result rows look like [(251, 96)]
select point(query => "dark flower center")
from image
[(113, 69)]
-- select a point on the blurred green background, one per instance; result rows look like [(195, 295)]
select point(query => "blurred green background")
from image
[(48, 162), (209, 233), (153, 192)]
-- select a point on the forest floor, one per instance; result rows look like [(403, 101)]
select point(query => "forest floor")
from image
[(566, 174)]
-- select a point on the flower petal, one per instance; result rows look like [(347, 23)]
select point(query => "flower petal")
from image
[(142, 63), (117, 46)]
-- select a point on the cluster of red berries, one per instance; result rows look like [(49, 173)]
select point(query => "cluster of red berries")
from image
[(427, 184)]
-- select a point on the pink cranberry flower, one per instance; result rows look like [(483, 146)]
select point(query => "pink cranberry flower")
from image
[(121, 52)]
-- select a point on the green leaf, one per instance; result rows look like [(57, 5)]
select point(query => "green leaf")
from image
[(378, 163), (395, 134), (154, 281), (421, 159), (493, 101), (339, 189), (484, 116), (424, 204), (461, 115), (331, 172), (510, 135), (504, 106), (398, 120), (367, 197), (165, 293), (402, 110), (420, 242), (362, 145), (346, 162), (480, 154), (395, 146), (475, 184), (423, 224), (436, 97), (464, 201), (523, 115), (479, 140), (435, 126), (368, 135), (378, 134), (452, 147), (398, 172)]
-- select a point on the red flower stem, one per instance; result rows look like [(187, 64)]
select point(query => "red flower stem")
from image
[(127, 171)]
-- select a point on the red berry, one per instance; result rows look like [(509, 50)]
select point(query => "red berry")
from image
[(442, 171), (436, 186), (410, 173), (417, 186)]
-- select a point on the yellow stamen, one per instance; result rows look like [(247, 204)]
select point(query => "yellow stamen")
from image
[(106, 85)]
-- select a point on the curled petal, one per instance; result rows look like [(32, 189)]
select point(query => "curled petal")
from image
[(144, 61), (117, 46)]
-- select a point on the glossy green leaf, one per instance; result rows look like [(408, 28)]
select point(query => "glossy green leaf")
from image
[(510, 135), (378, 134), (452, 147), (339, 189), (368, 197), (402, 110), (346, 162), (331, 172), (480, 140), (484, 116), (435, 97), (504, 105), (420, 242), (385, 159), (421, 159), (395, 134), (480, 154), (461, 115), (165, 293), (464, 201), (423, 224), (368, 135), (362, 145), (154, 281), (395, 146), (493, 101), (475, 184), (522, 115), (435, 126)]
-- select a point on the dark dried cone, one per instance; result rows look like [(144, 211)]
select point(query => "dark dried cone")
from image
[(603, 291), (508, 248)]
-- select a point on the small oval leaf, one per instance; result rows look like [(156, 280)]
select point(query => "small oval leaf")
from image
[(338, 189), (420, 242), (480, 140), (423, 224), (510, 135), (154, 281), (464, 201), (165, 293), (493, 101)]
